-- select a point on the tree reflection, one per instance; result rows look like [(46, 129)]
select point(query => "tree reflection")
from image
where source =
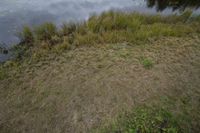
[(174, 4)]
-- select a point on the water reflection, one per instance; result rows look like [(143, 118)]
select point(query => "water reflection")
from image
[(174, 4)]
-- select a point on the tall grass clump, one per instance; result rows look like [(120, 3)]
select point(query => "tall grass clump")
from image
[(47, 35), (68, 28), (26, 36), (93, 24), (113, 21), (45, 32), (138, 27), (126, 22)]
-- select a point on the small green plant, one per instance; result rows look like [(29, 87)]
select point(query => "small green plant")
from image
[(147, 63)]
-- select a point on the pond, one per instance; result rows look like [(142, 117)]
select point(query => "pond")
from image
[(16, 13)]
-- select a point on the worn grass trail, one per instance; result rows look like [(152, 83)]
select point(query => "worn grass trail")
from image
[(87, 88)]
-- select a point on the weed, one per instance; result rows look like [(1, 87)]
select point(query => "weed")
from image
[(147, 63)]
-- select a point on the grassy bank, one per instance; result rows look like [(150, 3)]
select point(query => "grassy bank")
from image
[(115, 73), (109, 27)]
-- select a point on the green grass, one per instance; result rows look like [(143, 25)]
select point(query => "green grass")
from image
[(145, 120)]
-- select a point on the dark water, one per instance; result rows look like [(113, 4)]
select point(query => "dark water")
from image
[(16, 13)]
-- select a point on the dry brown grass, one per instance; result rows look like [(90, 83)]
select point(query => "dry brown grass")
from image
[(88, 87)]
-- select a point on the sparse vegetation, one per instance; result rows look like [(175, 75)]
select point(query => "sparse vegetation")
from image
[(80, 78), (145, 120)]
